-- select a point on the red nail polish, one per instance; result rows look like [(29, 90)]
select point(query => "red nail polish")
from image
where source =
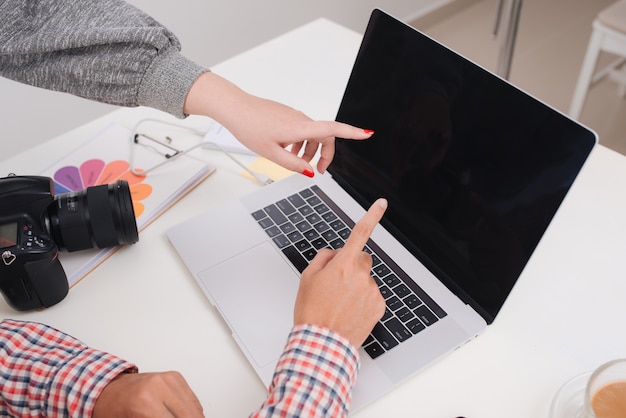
[(368, 131), (309, 173)]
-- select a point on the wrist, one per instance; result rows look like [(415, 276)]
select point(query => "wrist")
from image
[(331, 337), (339, 357), (211, 95)]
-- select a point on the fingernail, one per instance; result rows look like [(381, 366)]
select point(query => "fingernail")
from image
[(382, 203), (368, 131), (308, 172)]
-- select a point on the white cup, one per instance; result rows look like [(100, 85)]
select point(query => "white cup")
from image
[(605, 395), (597, 394)]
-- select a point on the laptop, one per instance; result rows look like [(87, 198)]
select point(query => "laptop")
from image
[(474, 170)]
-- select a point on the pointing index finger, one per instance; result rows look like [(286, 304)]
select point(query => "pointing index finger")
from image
[(364, 228)]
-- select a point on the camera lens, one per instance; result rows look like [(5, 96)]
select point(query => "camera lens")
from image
[(97, 217)]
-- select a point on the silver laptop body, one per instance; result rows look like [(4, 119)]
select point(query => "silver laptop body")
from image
[(474, 170)]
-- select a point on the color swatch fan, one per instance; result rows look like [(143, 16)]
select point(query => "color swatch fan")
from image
[(96, 172)]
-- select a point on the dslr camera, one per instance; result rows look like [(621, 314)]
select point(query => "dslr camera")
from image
[(35, 224)]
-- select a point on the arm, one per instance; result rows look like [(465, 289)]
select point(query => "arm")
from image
[(109, 51), (337, 306), (103, 50), (44, 372), (48, 373), (314, 375)]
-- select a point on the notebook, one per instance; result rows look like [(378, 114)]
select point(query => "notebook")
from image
[(474, 170), (105, 159)]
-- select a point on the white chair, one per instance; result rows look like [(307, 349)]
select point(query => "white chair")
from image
[(609, 35)]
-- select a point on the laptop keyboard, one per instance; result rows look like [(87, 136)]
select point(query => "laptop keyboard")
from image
[(308, 221)]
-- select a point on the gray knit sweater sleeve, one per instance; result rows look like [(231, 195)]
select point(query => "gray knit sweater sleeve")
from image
[(104, 50)]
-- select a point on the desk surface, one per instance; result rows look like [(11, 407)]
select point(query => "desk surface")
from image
[(563, 317)]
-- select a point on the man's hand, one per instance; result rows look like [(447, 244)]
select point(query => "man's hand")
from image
[(149, 395), (337, 290)]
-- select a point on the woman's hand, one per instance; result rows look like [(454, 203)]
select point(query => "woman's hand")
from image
[(267, 127)]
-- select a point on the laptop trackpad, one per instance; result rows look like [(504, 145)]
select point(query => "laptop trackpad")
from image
[(255, 291)]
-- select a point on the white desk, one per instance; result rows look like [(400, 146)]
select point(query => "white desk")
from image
[(564, 317)]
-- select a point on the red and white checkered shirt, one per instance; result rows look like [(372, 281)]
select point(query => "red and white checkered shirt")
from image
[(46, 373), (313, 377)]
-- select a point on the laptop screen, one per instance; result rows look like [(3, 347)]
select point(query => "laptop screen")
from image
[(474, 169)]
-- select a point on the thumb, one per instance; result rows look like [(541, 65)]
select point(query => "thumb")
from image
[(292, 162)]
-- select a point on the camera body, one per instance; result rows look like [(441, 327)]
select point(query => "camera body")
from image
[(35, 224), (31, 275)]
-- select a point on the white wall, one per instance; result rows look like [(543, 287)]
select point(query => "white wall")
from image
[(210, 32)]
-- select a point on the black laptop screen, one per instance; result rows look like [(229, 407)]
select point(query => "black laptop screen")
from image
[(473, 168)]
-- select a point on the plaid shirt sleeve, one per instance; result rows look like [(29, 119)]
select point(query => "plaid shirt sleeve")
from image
[(313, 377), (44, 372)]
